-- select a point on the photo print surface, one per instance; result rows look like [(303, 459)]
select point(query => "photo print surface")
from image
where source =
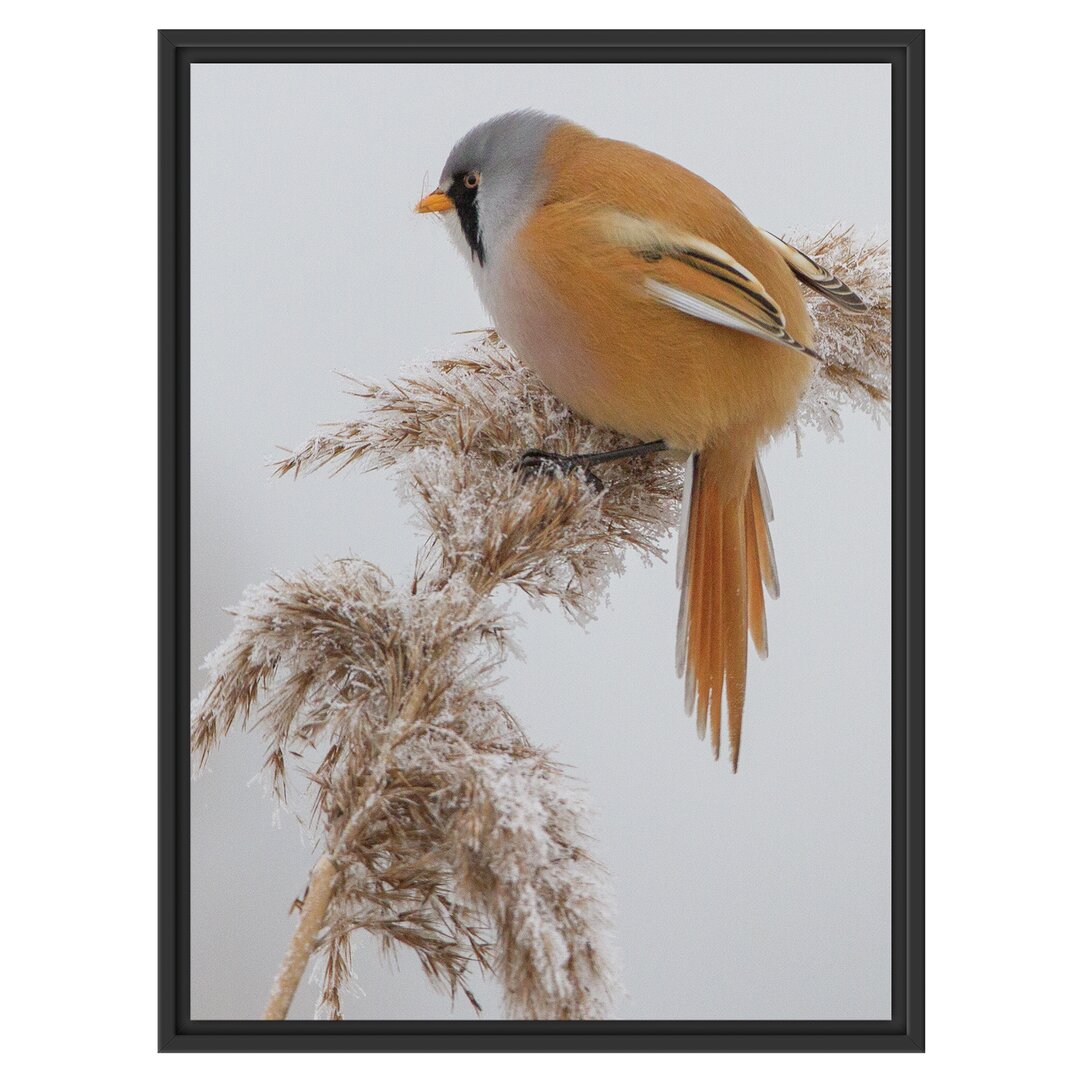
[(674, 887)]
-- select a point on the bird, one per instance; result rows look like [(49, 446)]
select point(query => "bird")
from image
[(647, 302)]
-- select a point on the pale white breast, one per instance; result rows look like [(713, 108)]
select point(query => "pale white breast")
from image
[(533, 322)]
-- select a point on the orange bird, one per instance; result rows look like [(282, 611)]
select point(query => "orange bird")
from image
[(646, 302)]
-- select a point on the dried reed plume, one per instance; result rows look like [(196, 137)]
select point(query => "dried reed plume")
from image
[(856, 350), (442, 828)]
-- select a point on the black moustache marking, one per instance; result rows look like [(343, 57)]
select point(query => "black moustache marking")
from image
[(464, 199)]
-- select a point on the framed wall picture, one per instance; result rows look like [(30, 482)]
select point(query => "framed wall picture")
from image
[(504, 378)]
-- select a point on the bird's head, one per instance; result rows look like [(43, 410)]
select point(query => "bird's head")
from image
[(491, 181)]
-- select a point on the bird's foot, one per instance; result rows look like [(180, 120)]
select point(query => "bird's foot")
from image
[(543, 463)]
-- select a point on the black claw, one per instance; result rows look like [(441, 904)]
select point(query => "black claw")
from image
[(543, 463), (541, 460)]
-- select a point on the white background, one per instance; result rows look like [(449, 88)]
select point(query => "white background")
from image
[(79, 339)]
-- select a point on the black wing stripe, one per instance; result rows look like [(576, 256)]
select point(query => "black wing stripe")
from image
[(697, 261), (736, 319), (820, 280)]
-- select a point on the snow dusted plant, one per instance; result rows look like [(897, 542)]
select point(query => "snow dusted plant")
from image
[(855, 350), (442, 829)]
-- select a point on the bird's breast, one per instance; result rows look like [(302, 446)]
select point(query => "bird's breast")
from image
[(544, 334)]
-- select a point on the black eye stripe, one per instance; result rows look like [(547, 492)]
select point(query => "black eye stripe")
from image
[(468, 213)]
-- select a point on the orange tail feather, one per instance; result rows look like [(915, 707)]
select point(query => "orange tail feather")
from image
[(725, 564)]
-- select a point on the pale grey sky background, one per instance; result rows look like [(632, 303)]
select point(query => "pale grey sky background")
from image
[(764, 895)]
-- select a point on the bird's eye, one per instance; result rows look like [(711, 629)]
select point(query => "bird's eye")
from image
[(471, 180)]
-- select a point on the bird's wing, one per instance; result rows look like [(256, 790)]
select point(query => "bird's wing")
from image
[(815, 275), (700, 279)]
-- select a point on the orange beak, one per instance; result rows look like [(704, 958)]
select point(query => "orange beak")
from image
[(435, 203)]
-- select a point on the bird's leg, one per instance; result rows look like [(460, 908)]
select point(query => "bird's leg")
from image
[(541, 461)]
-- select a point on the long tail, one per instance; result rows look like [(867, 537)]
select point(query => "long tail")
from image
[(725, 561)]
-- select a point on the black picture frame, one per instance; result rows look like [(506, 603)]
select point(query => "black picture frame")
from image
[(903, 50)]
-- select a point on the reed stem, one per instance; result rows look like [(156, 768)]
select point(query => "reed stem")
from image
[(312, 914)]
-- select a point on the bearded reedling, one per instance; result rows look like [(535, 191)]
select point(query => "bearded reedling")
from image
[(648, 303)]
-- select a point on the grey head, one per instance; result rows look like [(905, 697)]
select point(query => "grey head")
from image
[(494, 178)]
